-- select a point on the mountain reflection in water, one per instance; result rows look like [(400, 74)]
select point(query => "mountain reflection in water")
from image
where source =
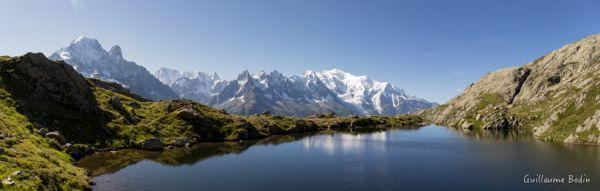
[(428, 158)]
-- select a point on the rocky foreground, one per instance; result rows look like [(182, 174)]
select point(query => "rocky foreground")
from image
[(50, 116), (556, 97)]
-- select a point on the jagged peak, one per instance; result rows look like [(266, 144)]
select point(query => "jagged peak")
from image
[(115, 51), (215, 76), (244, 74), (276, 73)]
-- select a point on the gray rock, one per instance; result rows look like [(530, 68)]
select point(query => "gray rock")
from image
[(56, 135), (8, 181), (16, 173), (62, 84), (180, 142), (116, 103), (151, 144), (188, 114), (42, 131)]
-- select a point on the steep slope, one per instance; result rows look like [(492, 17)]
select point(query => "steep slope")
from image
[(556, 97), (88, 57), (27, 160)]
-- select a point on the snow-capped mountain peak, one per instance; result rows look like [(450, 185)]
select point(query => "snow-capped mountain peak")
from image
[(83, 49), (88, 57), (367, 95), (199, 86), (167, 76)]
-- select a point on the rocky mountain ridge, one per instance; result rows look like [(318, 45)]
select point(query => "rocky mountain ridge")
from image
[(88, 57), (311, 93), (556, 97)]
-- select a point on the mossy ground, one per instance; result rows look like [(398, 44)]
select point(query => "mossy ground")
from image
[(43, 165)]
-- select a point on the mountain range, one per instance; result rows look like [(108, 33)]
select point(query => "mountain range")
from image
[(311, 93)]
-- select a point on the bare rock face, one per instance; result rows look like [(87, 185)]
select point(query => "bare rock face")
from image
[(556, 97), (498, 87), (33, 74)]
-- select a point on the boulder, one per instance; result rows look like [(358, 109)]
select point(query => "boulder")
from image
[(151, 144), (56, 135), (79, 151), (180, 142), (188, 114), (274, 129), (115, 102)]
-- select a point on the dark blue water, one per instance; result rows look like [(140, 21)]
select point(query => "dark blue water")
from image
[(429, 158)]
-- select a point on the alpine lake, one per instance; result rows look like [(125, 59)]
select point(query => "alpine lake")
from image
[(426, 158)]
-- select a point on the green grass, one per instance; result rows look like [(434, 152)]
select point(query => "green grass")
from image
[(573, 116), (43, 167)]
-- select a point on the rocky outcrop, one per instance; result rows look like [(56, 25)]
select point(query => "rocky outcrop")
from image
[(556, 97), (33, 74)]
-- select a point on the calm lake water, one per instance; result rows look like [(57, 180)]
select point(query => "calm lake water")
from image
[(428, 158)]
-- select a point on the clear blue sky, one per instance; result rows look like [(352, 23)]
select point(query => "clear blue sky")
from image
[(432, 49)]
